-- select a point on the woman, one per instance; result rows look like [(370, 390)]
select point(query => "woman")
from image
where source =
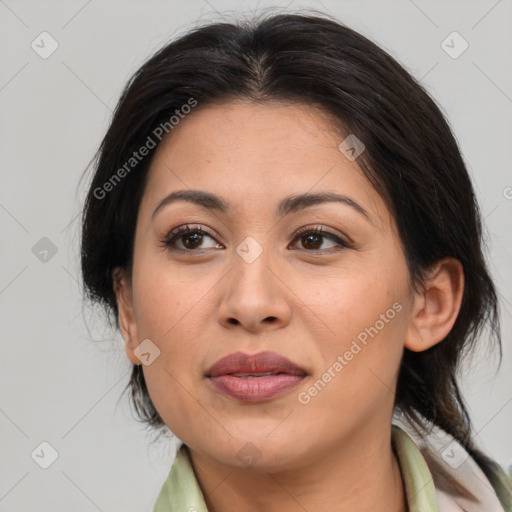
[(282, 225)]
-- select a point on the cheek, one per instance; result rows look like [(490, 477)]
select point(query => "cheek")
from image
[(165, 298), (355, 300), (168, 311), (367, 319)]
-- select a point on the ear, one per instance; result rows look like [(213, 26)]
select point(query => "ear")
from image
[(437, 306), (127, 323)]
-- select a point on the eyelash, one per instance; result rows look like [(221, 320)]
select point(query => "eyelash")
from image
[(171, 238)]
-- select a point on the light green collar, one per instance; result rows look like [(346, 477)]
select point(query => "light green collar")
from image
[(420, 492), (181, 491)]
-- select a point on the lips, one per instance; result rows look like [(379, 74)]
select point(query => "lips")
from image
[(256, 364), (254, 378)]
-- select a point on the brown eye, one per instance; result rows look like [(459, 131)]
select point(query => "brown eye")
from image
[(192, 240), (312, 241), (186, 238), (313, 238)]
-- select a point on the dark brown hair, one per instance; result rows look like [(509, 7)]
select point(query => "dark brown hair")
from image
[(411, 158)]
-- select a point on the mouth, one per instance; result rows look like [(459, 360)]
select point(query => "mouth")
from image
[(254, 375), (254, 378)]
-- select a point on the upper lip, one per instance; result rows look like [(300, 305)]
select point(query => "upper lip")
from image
[(263, 362)]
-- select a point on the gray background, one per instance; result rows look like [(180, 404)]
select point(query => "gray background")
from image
[(59, 386)]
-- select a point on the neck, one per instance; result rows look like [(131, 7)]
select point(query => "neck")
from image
[(362, 475)]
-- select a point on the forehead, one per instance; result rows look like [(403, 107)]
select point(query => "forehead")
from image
[(257, 153), (259, 131)]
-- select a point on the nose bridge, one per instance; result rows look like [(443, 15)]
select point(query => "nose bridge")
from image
[(251, 261), (253, 295)]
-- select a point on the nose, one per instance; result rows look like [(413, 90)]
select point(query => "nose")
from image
[(255, 295)]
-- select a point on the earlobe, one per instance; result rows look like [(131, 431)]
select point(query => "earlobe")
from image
[(437, 306), (127, 323)]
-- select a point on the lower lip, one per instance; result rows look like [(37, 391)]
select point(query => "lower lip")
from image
[(257, 389)]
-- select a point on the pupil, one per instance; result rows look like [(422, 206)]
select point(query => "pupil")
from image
[(311, 236), (197, 237)]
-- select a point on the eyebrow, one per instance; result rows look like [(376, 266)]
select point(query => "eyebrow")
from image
[(288, 205)]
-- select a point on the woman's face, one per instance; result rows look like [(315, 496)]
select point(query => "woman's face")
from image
[(337, 304)]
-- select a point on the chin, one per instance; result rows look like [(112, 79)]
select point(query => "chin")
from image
[(256, 450)]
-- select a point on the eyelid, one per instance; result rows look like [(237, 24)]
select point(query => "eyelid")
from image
[(320, 229), (190, 227)]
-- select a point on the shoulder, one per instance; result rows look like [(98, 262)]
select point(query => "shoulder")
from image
[(459, 482)]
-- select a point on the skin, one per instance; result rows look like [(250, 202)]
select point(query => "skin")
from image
[(306, 302)]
